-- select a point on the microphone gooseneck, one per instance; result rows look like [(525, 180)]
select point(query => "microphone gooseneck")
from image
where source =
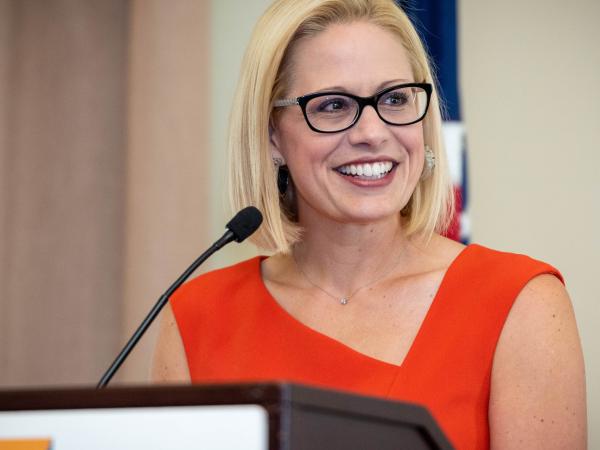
[(243, 224)]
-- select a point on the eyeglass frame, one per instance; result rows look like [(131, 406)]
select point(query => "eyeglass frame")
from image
[(362, 102)]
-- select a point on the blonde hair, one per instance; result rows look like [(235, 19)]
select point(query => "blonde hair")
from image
[(266, 70)]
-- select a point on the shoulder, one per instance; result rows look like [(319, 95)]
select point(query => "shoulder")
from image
[(540, 313)]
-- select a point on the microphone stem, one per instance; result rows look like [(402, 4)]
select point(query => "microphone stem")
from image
[(162, 301)]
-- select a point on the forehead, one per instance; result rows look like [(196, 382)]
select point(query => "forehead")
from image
[(358, 57)]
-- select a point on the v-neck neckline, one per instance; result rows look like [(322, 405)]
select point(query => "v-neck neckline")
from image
[(419, 336)]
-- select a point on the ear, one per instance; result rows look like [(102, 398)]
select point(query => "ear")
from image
[(275, 146)]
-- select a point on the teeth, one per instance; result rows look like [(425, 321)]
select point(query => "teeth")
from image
[(367, 170)]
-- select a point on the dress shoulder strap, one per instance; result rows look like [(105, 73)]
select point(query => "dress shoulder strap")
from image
[(476, 297)]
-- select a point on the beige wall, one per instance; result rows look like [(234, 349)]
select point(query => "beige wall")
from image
[(530, 74)]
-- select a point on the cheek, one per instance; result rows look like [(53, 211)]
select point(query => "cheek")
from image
[(414, 143), (289, 137), (301, 147), (413, 136)]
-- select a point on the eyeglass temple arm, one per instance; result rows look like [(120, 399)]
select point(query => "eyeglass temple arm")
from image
[(286, 102)]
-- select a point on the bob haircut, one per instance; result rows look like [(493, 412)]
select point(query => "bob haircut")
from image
[(266, 68)]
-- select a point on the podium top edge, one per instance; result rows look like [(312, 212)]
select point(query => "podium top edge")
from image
[(266, 394), (269, 392)]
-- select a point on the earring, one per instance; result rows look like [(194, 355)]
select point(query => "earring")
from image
[(283, 175), (283, 179), (285, 186), (429, 163)]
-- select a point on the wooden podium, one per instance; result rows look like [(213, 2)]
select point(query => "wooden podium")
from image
[(273, 416)]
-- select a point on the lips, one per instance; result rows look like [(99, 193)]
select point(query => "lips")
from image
[(372, 170)]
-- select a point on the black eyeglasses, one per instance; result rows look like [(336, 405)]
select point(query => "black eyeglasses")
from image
[(332, 112)]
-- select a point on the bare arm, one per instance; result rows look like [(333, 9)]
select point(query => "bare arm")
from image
[(537, 396), (169, 363)]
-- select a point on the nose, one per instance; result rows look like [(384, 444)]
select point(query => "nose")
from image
[(369, 130)]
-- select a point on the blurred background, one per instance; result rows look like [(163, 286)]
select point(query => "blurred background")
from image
[(113, 118)]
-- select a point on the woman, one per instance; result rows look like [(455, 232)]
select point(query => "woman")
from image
[(335, 137)]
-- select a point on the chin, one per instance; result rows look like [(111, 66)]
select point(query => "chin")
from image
[(369, 215)]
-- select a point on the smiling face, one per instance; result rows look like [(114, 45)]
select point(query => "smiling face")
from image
[(364, 174)]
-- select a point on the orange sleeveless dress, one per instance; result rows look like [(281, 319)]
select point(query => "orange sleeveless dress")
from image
[(233, 330)]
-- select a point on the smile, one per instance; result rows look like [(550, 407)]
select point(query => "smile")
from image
[(367, 171)]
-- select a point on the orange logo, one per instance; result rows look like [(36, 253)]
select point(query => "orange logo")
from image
[(25, 444)]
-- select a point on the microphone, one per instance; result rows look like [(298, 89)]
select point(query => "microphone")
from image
[(243, 224)]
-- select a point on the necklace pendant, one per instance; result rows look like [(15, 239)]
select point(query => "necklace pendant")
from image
[(343, 300)]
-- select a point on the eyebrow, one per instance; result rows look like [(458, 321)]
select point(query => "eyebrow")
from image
[(377, 89)]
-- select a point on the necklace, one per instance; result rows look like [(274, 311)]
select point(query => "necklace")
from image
[(345, 299)]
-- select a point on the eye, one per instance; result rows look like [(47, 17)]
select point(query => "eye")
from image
[(330, 105), (397, 98)]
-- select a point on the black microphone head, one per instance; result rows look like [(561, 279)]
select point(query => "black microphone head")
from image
[(244, 223)]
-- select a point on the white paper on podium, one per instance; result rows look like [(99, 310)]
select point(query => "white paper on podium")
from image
[(160, 428)]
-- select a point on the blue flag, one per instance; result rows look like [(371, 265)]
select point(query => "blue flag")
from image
[(436, 22)]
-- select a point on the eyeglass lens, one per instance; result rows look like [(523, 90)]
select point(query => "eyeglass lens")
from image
[(336, 112)]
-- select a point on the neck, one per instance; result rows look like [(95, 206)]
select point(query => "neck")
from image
[(342, 258)]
